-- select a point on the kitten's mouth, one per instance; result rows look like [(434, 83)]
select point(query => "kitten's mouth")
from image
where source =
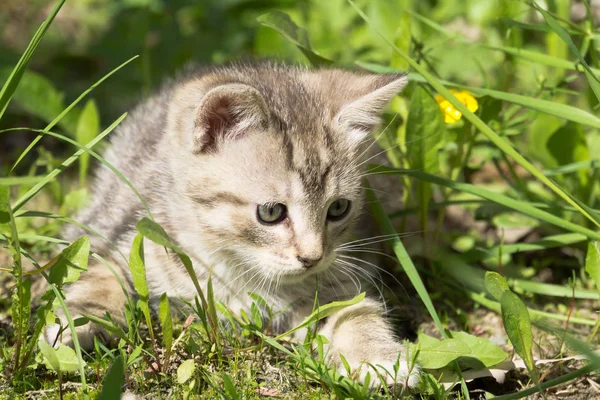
[(300, 274)]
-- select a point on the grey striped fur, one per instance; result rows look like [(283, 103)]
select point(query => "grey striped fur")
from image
[(203, 153)]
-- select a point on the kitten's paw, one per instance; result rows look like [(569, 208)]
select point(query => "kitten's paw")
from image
[(54, 335)]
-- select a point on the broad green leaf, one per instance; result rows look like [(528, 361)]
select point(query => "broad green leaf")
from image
[(138, 268), (425, 134), (230, 387), (518, 327), (11, 84), (88, 127), (71, 262), (495, 284), (49, 355), (166, 322), (442, 353), (283, 24), (113, 382), (510, 220), (481, 349), (62, 359), (426, 341), (185, 371), (592, 262)]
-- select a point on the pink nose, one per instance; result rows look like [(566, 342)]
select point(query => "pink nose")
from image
[(308, 262)]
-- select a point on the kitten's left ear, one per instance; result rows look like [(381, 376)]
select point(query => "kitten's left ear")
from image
[(371, 95)]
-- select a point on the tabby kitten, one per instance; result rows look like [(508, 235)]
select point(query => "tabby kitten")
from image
[(255, 172)]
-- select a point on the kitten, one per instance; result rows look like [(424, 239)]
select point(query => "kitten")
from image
[(255, 172)]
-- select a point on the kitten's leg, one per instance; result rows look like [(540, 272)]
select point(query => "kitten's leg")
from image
[(363, 337), (97, 292)]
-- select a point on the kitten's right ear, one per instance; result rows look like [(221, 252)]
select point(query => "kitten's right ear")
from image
[(227, 112)]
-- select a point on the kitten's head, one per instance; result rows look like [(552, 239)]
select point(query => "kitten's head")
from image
[(271, 164)]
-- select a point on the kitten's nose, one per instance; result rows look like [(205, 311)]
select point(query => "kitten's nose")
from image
[(308, 262)]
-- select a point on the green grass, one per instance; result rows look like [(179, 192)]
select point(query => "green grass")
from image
[(524, 161)]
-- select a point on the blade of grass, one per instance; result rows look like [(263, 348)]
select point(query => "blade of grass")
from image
[(404, 258), (548, 242), (66, 111), (92, 153), (34, 190), (551, 383), (559, 110), (74, 337), (517, 205), (19, 180), (17, 73), (502, 144)]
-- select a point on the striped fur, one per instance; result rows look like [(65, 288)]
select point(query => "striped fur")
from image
[(204, 152)]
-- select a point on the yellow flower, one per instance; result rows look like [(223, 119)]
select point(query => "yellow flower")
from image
[(451, 114)]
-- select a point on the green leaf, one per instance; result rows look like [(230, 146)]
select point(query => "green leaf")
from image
[(517, 205), (496, 139), (34, 190), (518, 327), (166, 322), (592, 262), (69, 264), (62, 359), (39, 97), (283, 24), (442, 353), (185, 371), (113, 382), (425, 133), (157, 234), (402, 40), (402, 255), (568, 145), (230, 388), (11, 84), (482, 349), (88, 127), (559, 110), (495, 284), (19, 180), (138, 275), (138, 268), (67, 111), (323, 312)]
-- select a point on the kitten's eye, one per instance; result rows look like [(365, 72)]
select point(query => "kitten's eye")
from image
[(338, 209), (271, 213)]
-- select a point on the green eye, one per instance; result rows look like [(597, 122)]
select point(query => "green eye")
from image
[(271, 213), (338, 209)]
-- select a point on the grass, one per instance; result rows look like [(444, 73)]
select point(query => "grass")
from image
[(503, 203)]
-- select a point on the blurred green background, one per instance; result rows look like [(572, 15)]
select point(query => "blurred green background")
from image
[(91, 37)]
